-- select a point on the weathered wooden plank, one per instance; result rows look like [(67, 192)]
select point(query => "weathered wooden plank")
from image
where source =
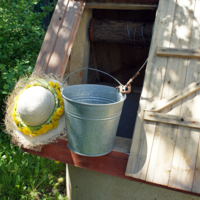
[(51, 36), (164, 152), (153, 83), (159, 164), (195, 102), (185, 153), (196, 185), (59, 57), (196, 106), (181, 53), (81, 50), (172, 119), (121, 6), (177, 96)]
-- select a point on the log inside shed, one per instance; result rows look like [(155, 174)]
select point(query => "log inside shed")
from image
[(121, 61), (135, 32)]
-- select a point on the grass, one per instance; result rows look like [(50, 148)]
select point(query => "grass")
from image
[(24, 176)]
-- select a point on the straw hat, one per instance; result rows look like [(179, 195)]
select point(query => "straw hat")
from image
[(34, 113)]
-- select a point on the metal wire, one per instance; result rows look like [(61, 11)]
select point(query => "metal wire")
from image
[(134, 35), (142, 31), (93, 70), (128, 83), (135, 32), (129, 31), (136, 74)]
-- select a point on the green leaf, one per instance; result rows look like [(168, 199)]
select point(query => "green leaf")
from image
[(9, 81), (6, 86)]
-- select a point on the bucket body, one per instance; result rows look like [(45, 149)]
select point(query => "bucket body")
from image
[(92, 114)]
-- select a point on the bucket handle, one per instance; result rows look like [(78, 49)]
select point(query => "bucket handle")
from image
[(93, 70), (124, 89)]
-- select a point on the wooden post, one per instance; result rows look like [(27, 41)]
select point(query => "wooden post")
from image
[(81, 50)]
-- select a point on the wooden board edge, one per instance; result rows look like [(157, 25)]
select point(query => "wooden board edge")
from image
[(72, 38), (113, 164), (179, 95), (172, 119), (121, 6), (180, 53), (162, 186)]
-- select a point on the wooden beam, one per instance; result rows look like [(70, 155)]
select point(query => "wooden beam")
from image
[(56, 49), (60, 56), (120, 6), (172, 119), (181, 53), (193, 87), (81, 50), (151, 2), (117, 159), (113, 164)]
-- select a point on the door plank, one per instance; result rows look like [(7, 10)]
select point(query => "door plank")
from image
[(168, 139), (144, 131), (185, 154), (165, 135)]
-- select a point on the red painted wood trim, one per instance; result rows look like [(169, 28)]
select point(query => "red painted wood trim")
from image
[(113, 164)]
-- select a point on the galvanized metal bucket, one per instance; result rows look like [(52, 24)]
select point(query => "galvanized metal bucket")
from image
[(92, 114)]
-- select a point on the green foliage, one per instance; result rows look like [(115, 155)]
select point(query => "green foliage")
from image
[(22, 175), (21, 37), (25, 176)]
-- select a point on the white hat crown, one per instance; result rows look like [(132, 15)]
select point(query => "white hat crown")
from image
[(35, 105)]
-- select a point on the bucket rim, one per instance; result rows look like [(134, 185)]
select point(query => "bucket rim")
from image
[(89, 104)]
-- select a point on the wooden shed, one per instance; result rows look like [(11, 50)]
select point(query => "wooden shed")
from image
[(157, 145)]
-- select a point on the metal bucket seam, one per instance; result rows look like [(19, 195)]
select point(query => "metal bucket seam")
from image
[(104, 119)]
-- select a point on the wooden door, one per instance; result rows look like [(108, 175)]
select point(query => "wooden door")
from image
[(162, 151)]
